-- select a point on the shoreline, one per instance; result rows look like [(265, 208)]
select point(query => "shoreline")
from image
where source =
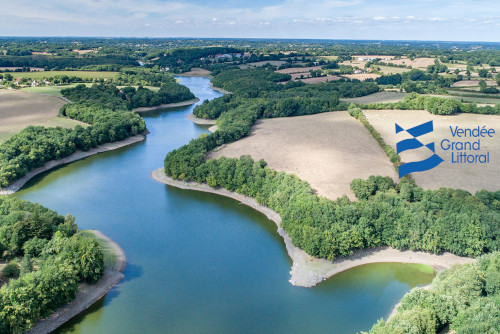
[(87, 294), (78, 155), (220, 90), (168, 105), (200, 121), (308, 271)]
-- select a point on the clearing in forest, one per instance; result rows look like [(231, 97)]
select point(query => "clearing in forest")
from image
[(327, 150)]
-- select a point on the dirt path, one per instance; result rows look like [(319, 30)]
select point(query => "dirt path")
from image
[(87, 294), (307, 271), (78, 155)]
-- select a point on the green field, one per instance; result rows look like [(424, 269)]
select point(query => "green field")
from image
[(391, 69), (80, 74), (56, 90), (50, 90), (470, 99)]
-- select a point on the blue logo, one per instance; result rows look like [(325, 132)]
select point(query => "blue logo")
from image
[(414, 143)]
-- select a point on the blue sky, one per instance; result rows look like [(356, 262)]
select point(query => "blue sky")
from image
[(471, 20)]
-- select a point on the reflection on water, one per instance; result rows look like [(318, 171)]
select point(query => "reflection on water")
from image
[(201, 263)]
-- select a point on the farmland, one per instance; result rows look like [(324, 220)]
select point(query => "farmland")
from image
[(471, 177), (327, 150), (379, 97), (20, 109)]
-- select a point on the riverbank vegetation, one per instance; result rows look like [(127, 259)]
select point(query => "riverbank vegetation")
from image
[(48, 257), (108, 111), (464, 298)]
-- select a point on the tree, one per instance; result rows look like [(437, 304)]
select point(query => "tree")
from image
[(26, 265), (482, 85), (10, 270), (483, 73)]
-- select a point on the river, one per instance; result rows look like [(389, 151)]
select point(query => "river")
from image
[(197, 262)]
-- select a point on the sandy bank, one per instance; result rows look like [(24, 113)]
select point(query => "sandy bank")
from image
[(87, 294), (78, 155), (307, 270), (195, 72), (220, 90), (168, 105), (200, 121)]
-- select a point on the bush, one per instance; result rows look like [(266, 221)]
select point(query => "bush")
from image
[(34, 246), (10, 270)]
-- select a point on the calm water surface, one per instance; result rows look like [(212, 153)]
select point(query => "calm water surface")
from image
[(201, 263)]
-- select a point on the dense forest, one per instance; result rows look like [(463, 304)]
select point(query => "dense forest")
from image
[(106, 108), (466, 298), (59, 63), (48, 259), (260, 89)]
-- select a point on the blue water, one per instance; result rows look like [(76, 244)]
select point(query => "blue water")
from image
[(201, 263)]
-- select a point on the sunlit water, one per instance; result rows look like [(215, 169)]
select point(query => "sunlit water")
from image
[(201, 263)]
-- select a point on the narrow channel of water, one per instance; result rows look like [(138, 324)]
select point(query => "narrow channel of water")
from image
[(201, 263)]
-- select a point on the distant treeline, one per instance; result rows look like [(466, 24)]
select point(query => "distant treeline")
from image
[(465, 298), (419, 81), (435, 105), (51, 62), (105, 107), (183, 60), (141, 76), (55, 259)]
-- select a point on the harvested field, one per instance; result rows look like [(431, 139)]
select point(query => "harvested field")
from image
[(82, 52), (51, 90), (320, 79), (19, 109), (299, 69), (471, 177), (379, 97), (392, 70), (262, 63), (359, 63), (472, 83), (373, 56), (327, 150), (362, 76), (415, 63)]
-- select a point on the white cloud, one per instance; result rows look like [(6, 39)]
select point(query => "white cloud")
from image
[(97, 17)]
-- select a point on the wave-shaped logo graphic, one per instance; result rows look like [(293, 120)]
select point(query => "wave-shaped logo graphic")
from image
[(414, 143)]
